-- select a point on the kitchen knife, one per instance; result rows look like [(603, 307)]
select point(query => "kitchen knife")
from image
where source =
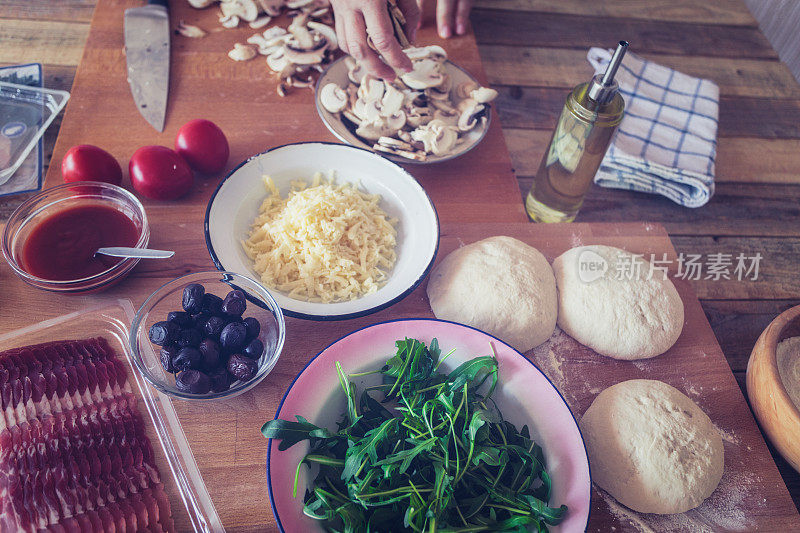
[(147, 54)]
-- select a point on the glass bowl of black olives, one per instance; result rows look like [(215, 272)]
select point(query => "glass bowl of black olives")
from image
[(207, 335)]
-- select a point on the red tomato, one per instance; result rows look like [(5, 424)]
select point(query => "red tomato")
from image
[(203, 145), (159, 173), (90, 163)]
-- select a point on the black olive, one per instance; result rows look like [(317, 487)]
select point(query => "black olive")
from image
[(193, 381), (253, 327), (187, 358), (220, 379), (233, 336), (188, 337), (241, 367), (162, 333), (234, 303), (213, 326), (200, 319), (168, 353), (254, 349), (210, 351), (211, 304), (193, 298), (180, 318)]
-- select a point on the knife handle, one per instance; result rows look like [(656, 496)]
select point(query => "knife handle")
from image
[(157, 3)]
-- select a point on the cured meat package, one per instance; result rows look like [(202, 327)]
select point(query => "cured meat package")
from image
[(85, 444)]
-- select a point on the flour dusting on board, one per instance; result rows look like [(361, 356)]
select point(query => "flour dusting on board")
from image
[(724, 510), (548, 358)]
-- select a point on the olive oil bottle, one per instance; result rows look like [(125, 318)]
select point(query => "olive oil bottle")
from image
[(588, 121)]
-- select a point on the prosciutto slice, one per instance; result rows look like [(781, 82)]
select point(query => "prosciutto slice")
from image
[(74, 456)]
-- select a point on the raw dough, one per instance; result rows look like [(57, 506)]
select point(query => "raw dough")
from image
[(788, 355), (607, 303), (499, 285), (651, 447)]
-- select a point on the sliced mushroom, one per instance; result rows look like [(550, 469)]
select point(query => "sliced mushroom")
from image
[(277, 61), (187, 30), (392, 101), (483, 95), (464, 90), (427, 73), (200, 4), (274, 35), (242, 52), (229, 21), (333, 98), (468, 118), (448, 117), (408, 153), (355, 71), (371, 89), (246, 10), (327, 32), (260, 22)]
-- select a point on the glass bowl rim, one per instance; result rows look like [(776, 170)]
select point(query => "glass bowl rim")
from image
[(89, 282), (263, 371)]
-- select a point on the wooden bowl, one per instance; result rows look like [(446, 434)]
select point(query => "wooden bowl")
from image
[(778, 416)]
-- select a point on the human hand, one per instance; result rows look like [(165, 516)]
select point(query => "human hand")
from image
[(355, 19), (452, 17)]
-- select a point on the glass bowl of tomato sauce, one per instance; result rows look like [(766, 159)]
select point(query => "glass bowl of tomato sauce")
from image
[(50, 240)]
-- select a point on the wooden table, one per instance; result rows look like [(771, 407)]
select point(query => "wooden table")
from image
[(533, 51)]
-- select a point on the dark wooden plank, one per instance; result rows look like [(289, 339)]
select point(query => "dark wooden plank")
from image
[(776, 160), (556, 30), (539, 108), (753, 210), (64, 10), (565, 68), (738, 323), (777, 277), (708, 11)]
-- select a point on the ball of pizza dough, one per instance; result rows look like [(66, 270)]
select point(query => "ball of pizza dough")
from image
[(611, 301), (651, 447), (499, 285)]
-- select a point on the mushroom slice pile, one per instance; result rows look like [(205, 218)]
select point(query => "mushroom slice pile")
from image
[(419, 114), (297, 56), (259, 13)]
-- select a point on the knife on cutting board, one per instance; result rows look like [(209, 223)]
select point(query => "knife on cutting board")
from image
[(147, 55)]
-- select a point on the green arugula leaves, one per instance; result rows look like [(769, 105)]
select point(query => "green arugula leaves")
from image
[(433, 455)]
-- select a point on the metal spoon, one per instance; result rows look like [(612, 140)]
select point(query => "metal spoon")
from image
[(138, 253)]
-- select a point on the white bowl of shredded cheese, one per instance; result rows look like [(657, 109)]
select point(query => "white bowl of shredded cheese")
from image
[(333, 231)]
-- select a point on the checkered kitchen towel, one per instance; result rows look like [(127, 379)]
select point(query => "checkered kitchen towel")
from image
[(667, 140)]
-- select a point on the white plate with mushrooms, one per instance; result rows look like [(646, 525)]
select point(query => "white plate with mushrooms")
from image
[(435, 113), (235, 204)]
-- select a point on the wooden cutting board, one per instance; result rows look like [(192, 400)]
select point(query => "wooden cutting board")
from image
[(227, 444), (476, 196)]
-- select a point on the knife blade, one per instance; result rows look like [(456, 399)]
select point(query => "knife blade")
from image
[(147, 56)]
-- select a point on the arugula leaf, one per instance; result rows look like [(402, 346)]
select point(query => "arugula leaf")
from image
[(290, 433)]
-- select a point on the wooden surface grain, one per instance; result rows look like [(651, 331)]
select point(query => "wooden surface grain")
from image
[(758, 166)]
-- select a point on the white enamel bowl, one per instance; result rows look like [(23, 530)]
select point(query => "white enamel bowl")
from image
[(337, 73), (234, 206), (523, 394)]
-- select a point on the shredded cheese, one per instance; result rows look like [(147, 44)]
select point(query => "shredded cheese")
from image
[(324, 243)]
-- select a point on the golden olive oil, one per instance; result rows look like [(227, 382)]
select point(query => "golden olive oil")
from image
[(581, 138)]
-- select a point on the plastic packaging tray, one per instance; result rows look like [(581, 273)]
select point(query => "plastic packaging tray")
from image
[(28, 177), (191, 504), (25, 114)]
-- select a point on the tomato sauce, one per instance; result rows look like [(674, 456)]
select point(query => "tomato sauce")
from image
[(61, 247)]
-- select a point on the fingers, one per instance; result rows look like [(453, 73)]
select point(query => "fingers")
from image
[(381, 31), (356, 31), (452, 17), (462, 16), (445, 11), (341, 33), (413, 13)]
